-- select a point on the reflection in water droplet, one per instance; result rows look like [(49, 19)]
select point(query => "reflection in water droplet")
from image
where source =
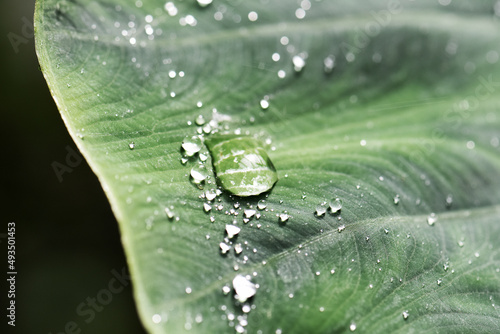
[(241, 164)]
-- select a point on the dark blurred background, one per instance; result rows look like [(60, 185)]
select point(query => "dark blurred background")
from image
[(68, 248)]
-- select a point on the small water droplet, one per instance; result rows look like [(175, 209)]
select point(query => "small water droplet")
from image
[(169, 213), (439, 281), (329, 63), (264, 104), (224, 248), (335, 205), (449, 201), (405, 315), (238, 248), (232, 230), (396, 199), (189, 290), (283, 217), (131, 145), (226, 290), (352, 327), (200, 120), (207, 207), (298, 63), (156, 318), (321, 209), (249, 213), (432, 219), (341, 228)]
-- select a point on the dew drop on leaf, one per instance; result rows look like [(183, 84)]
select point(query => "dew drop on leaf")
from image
[(232, 230), (241, 164), (199, 174), (329, 63), (432, 219), (298, 63), (396, 199), (191, 145), (204, 3), (244, 288), (335, 205), (264, 104), (249, 213), (224, 248), (321, 209)]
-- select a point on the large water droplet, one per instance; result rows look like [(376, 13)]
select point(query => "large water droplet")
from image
[(244, 288), (199, 174), (191, 145), (241, 164), (204, 3)]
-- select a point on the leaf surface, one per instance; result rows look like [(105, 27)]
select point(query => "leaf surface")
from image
[(392, 109)]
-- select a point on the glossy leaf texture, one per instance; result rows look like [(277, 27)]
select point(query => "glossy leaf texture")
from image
[(392, 107)]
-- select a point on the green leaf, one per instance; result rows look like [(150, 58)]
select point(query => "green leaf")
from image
[(392, 107)]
